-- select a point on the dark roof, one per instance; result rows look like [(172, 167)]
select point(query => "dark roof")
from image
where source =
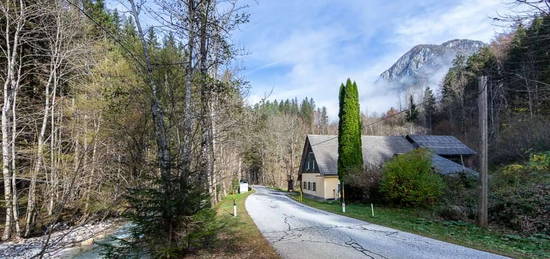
[(441, 145), (325, 150), (445, 166), (376, 150)]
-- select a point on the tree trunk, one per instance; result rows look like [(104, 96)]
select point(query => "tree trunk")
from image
[(37, 166), (51, 183), (6, 159), (31, 203), (188, 126), (213, 170), (156, 109), (205, 95), (163, 152), (11, 86), (93, 165), (15, 209)]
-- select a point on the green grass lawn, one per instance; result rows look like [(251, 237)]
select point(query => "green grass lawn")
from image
[(422, 222), (241, 238)]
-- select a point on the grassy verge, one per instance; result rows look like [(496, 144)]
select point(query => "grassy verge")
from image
[(422, 222), (277, 188), (241, 238)]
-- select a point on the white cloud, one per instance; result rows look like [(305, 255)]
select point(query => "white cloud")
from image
[(470, 19), (320, 44), (307, 48)]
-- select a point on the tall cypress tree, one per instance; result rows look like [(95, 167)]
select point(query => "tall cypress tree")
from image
[(350, 155)]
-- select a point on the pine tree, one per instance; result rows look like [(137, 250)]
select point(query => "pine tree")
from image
[(152, 39), (412, 113), (116, 19), (324, 120), (429, 107), (98, 11), (306, 110)]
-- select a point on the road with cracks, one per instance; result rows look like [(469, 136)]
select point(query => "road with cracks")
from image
[(299, 231)]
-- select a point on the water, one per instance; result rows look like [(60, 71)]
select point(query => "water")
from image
[(94, 251)]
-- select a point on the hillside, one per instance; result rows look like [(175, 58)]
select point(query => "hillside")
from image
[(426, 64)]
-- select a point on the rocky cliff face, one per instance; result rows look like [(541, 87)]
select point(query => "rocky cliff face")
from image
[(426, 64)]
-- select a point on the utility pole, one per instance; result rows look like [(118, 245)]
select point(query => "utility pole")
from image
[(483, 177)]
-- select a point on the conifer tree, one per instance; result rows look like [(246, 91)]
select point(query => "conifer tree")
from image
[(98, 11), (412, 113), (429, 107), (350, 155)]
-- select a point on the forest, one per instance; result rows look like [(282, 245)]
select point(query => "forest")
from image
[(104, 118)]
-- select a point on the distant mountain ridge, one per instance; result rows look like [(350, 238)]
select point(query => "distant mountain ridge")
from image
[(426, 64)]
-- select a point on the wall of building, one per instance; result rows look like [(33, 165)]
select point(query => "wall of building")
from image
[(331, 187), (326, 187), (313, 178)]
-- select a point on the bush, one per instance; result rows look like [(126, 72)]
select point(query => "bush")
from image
[(460, 199), (519, 195), (408, 179), (540, 161), (235, 183), (364, 187)]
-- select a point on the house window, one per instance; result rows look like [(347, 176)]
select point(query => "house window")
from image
[(309, 185), (310, 164), (313, 186), (305, 185)]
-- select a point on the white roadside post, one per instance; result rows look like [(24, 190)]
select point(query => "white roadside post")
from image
[(372, 209), (343, 199)]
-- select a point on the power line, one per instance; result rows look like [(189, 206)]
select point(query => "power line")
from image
[(117, 40), (370, 124), (406, 110), (391, 116)]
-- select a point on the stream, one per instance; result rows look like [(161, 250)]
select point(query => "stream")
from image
[(80, 242), (94, 251)]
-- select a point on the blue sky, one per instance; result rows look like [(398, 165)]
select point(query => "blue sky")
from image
[(308, 47), (299, 48)]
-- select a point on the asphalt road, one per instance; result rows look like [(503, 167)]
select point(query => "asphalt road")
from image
[(299, 231)]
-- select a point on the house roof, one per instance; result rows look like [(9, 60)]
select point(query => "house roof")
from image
[(376, 150), (441, 145), (325, 149), (446, 167)]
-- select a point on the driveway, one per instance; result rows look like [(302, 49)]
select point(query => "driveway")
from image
[(299, 231)]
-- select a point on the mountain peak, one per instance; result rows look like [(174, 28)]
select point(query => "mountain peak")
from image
[(426, 64)]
